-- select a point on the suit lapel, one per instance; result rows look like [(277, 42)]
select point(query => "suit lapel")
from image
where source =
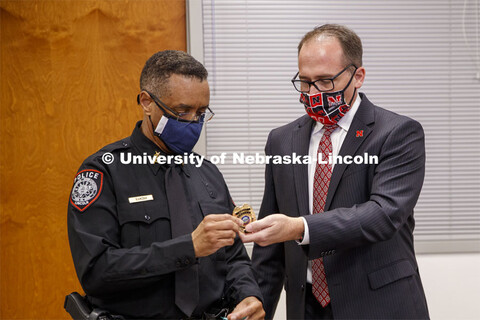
[(358, 132), (300, 144)]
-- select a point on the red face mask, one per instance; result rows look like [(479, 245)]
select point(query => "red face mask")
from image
[(325, 107)]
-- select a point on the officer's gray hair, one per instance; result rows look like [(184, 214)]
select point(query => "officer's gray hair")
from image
[(163, 64)]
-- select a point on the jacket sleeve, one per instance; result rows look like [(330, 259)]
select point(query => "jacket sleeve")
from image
[(269, 262), (396, 185), (103, 266)]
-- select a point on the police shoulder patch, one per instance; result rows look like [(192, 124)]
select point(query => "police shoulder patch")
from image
[(87, 187)]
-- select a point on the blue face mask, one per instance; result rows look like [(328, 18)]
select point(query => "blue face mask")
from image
[(178, 136)]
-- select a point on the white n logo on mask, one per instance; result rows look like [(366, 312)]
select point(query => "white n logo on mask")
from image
[(334, 101)]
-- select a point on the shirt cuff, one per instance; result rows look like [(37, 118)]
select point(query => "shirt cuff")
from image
[(306, 235)]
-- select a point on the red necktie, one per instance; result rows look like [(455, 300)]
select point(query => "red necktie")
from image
[(321, 181)]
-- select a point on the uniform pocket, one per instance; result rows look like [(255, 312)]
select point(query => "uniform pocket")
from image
[(143, 223), (209, 207), (147, 212), (399, 270), (214, 208)]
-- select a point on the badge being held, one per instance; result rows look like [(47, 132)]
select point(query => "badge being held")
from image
[(244, 213)]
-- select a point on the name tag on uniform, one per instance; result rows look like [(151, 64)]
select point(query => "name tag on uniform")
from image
[(147, 197)]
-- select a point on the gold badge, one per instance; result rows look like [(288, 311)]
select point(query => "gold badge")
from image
[(244, 213)]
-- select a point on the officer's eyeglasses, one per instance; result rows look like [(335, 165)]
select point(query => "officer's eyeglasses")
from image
[(321, 85), (183, 116)]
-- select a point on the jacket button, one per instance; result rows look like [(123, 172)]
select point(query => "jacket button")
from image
[(187, 261), (303, 287), (178, 264), (147, 217)]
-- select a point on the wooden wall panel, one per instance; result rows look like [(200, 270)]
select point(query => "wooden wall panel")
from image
[(69, 80)]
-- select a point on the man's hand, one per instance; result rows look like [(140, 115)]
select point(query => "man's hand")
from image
[(274, 228), (214, 232), (250, 308)]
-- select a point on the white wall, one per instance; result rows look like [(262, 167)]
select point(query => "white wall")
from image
[(451, 283)]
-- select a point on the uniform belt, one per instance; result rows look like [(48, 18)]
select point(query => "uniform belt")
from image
[(215, 315)]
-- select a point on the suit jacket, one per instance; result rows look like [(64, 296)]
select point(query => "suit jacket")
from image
[(365, 233)]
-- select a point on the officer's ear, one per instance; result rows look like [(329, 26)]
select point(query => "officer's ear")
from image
[(146, 102)]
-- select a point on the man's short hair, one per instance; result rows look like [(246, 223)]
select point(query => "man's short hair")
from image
[(163, 64), (349, 40)]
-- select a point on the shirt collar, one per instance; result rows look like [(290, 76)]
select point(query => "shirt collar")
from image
[(143, 144), (347, 119)]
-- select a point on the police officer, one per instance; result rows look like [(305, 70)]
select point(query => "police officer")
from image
[(155, 238)]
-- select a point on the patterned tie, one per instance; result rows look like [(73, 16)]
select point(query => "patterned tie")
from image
[(321, 181)]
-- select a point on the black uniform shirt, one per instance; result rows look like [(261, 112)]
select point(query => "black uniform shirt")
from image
[(121, 241)]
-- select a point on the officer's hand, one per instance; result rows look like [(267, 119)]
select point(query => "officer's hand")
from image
[(250, 308), (274, 228), (214, 232)]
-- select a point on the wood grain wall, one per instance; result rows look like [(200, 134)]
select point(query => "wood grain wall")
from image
[(69, 80)]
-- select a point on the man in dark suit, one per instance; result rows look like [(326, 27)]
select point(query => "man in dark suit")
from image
[(342, 245), (153, 238)]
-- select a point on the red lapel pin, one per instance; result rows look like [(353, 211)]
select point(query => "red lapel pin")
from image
[(359, 133)]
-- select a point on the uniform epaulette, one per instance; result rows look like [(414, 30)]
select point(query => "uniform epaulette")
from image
[(204, 160), (110, 148), (121, 144)]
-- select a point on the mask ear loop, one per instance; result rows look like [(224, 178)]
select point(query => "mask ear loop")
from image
[(157, 135), (151, 122), (353, 96), (343, 90), (149, 117), (153, 128), (348, 84)]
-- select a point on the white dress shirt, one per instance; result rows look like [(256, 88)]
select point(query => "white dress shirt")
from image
[(337, 138)]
